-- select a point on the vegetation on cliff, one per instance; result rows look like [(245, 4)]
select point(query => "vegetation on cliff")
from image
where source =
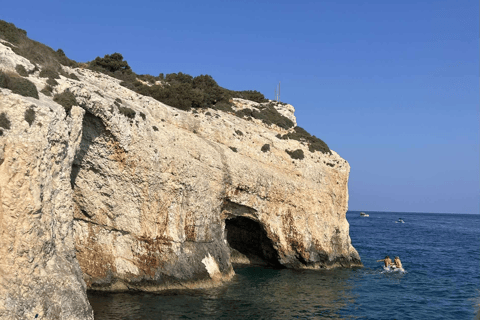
[(18, 85), (178, 90), (314, 143)]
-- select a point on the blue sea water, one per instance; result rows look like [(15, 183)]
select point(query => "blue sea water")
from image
[(440, 253)]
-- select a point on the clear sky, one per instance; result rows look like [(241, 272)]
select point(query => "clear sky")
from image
[(392, 86)]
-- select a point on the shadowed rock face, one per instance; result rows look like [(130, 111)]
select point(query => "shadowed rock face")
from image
[(249, 243), (151, 200)]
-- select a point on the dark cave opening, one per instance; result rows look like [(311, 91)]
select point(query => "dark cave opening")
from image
[(249, 239)]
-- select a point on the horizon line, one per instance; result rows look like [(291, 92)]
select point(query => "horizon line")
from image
[(413, 212)]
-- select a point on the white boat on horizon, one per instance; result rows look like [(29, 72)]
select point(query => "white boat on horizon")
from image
[(363, 214)]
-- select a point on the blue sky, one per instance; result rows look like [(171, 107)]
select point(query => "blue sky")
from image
[(392, 87)]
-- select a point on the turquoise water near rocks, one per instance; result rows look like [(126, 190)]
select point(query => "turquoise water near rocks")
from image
[(440, 253)]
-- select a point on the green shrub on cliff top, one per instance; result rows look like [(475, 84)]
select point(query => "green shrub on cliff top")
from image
[(268, 114), (10, 33), (314, 143), (252, 95), (32, 50), (111, 64)]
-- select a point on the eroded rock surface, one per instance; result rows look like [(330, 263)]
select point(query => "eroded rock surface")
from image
[(155, 197), (39, 274), (157, 194)]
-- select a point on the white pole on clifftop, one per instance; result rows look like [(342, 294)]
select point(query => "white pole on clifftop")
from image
[(277, 92)]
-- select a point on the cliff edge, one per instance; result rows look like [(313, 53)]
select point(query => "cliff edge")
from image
[(118, 191)]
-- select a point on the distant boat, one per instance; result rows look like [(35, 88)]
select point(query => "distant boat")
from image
[(400, 220), (363, 214)]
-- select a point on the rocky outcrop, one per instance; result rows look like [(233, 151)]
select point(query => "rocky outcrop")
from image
[(39, 274), (164, 193), (146, 197)]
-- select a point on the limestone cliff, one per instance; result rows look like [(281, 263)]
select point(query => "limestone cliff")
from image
[(39, 274), (148, 197)]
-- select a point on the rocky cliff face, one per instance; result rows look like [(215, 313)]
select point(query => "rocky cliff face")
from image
[(163, 196), (39, 274), (148, 197)]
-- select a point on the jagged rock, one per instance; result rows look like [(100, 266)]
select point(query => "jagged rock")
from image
[(39, 274), (162, 198)]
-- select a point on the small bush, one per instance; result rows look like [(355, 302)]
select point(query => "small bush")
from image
[(239, 133), (49, 73), (34, 51), (244, 113), (30, 115), (147, 78), (154, 128), (265, 147), (314, 143), (73, 76), (297, 154), (143, 116), (268, 114), (251, 95), (64, 60), (127, 112), (18, 85), (66, 99), (21, 70), (223, 106), (110, 64), (233, 149), (4, 122), (12, 34), (48, 90), (52, 82)]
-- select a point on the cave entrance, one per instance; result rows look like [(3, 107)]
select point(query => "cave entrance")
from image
[(249, 243)]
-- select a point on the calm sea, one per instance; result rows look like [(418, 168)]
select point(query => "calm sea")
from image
[(440, 253)]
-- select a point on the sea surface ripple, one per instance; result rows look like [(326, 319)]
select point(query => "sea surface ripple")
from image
[(440, 253)]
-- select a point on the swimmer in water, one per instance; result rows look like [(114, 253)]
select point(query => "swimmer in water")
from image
[(397, 262), (387, 261)]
